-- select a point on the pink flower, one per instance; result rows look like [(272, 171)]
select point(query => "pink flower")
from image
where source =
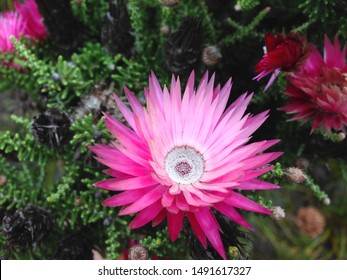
[(318, 93), (34, 22), (283, 52), (184, 157), (11, 24)]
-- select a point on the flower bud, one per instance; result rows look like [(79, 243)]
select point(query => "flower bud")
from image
[(341, 136), (169, 3), (165, 29), (294, 175), (310, 221), (137, 252), (211, 55), (278, 213), (3, 180), (326, 201)]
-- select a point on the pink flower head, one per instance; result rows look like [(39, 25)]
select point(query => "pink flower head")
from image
[(184, 157), (283, 52), (11, 24), (34, 22), (318, 93)]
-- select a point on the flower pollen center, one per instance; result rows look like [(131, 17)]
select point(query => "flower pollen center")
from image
[(184, 165), (183, 168)]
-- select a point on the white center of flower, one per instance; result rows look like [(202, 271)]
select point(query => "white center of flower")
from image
[(184, 165)]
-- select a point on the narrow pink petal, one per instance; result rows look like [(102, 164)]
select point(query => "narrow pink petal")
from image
[(181, 202), (154, 87), (239, 201), (174, 223), (333, 55), (126, 112), (208, 224), (220, 172), (233, 156), (216, 91), (256, 184), (232, 214), (220, 187), (194, 200), (124, 166), (251, 174), (189, 90), (167, 199), (125, 198), (146, 215), (206, 197), (127, 137), (148, 199), (139, 156), (222, 137), (159, 218), (260, 160), (117, 174), (200, 234), (134, 102), (272, 79), (253, 123), (126, 184), (106, 151), (202, 85), (262, 75)]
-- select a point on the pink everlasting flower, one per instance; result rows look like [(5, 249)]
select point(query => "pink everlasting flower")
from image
[(318, 93), (11, 24), (184, 156), (34, 22)]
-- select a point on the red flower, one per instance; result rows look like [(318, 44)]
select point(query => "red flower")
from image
[(318, 92), (283, 52)]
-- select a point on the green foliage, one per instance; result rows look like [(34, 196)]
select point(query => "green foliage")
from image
[(241, 31), (93, 63), (248, 4), (85, 130), (330, 14), (25, 146), (62, 179), (161, 245), (88, 11)]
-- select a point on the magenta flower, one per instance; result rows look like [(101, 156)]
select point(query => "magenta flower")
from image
[(318, 93), (34, 22), (11, 24), (184, 157)]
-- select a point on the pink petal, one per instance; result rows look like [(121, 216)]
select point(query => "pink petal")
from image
[(146, 200), (126, 184), (126, 112), (209, 226), (125, 198), (174, 223), (181, 202), (256, 185), (124, 166), (197, 229), (260, 160), (146, 215), (232, 214), (167, 199), (159, 218), (239, 201)]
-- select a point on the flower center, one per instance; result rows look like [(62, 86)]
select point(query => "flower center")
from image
[(184, 165)]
